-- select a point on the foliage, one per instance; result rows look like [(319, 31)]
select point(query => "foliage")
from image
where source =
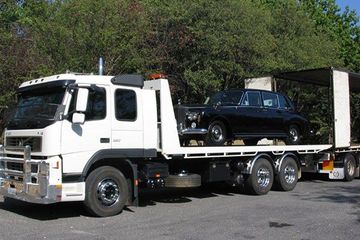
[(203, 45)]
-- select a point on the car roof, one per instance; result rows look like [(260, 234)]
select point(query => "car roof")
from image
[(250, 89)]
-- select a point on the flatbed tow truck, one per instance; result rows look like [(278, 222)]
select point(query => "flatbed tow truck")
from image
[(99, 139)]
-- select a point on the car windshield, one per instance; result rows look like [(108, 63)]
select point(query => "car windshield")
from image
[(41, 104)]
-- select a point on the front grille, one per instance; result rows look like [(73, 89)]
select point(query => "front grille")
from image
[(15, 166), (33, 142)]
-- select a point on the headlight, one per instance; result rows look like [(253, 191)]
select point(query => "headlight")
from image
[(193, 116)]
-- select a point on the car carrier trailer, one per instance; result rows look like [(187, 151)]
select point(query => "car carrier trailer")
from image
[(99, 139)]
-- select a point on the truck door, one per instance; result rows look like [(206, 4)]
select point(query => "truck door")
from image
[(127, 121), (79, 142)]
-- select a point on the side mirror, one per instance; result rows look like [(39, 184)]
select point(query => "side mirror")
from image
[(78, 118), (82, 99)]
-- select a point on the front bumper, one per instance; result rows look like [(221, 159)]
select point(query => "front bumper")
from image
[(26, 179)]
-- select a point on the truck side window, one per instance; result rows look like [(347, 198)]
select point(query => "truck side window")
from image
[(96, 107), (125, 105)]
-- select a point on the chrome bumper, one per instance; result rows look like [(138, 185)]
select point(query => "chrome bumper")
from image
[(189, 131), (24, 178)]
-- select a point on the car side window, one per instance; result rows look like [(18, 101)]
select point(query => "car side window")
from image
[(251, 99), (96, 106), (231, 97), (284, 104), (270, 100), (125, 105)]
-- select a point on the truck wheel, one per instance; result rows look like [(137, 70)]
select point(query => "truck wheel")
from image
[(261, 179), (349, 167), (216, 135), (293, 137), (106, 192), (287, 177)]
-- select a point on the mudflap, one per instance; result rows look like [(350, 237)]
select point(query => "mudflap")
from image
[(337, 173)]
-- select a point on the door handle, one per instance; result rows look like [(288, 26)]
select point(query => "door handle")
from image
[(104, 140)]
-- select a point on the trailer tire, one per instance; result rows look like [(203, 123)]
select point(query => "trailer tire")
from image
[(183, 181), (260, 181), (106, 192), (287, 177), (349, 167)]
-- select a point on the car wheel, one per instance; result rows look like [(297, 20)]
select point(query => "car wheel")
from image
[(294, 136), (216, 135), (106, 192)]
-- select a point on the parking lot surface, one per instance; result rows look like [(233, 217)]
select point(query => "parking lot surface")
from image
[(316, 209)]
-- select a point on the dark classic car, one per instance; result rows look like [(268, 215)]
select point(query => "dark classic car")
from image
[(248, 114)]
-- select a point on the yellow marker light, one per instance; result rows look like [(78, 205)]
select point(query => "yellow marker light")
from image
[(328, 165)]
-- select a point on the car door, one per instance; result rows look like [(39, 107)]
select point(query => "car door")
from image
[(249, 121), (273, 116), (229, 107)]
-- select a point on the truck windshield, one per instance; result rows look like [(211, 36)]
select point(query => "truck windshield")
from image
[(37, 108)]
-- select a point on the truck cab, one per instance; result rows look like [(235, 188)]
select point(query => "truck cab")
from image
[(65, 123)]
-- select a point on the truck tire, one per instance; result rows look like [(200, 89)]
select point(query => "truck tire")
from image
[(287, 177), (261, 178), (349, 167), (183, 181), (106, 192)]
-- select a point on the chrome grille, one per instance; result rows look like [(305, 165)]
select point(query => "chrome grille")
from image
[(15, 166), (33, 142)]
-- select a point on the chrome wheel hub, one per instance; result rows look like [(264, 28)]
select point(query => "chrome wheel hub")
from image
[(217, 133), (108, 192), (289, 174), (350, 168), (263, 177), (294, 134)]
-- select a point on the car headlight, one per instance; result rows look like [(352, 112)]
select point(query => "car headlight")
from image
[(193, 116)]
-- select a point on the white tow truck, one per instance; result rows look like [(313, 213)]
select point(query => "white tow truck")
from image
[(99, 139)]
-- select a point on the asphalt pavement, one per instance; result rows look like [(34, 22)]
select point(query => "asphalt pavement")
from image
[(316, 209)]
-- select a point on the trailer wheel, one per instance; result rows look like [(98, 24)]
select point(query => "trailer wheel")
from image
[(216, 135), (349, 167), (106, 192), (261, 179), (287, 177)]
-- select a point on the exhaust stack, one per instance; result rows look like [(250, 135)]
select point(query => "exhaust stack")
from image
[(101, 66)]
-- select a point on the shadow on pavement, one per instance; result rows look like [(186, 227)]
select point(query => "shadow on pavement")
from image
[(43, 212), (149, 198)]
